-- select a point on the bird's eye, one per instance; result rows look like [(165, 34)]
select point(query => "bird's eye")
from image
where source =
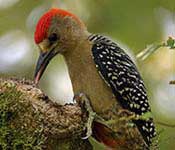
[(53, 37)]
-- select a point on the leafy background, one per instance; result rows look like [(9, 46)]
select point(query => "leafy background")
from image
[(132, 24)]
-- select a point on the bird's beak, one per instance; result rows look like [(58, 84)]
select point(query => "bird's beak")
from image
[(42, 63)]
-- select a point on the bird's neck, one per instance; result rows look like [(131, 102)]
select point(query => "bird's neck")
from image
[(79, 61)]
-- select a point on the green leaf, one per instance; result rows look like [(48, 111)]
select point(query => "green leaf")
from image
[(170, 43)]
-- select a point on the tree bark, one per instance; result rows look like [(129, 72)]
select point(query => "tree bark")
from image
[(30, 120)]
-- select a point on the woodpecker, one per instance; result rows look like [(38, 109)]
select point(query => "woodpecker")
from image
[(97, 66)]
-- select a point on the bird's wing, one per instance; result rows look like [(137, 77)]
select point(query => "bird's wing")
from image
[(121, 74)]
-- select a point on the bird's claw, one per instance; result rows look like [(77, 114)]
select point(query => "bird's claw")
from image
[(87, 135)]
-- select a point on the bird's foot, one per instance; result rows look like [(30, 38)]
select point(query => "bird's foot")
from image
[(84, 102), (124, 112), (126, 115)]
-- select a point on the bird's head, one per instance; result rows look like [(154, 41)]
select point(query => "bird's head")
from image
[(57, 31)]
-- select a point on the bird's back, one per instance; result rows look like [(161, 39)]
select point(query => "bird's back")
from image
[(121, 74)]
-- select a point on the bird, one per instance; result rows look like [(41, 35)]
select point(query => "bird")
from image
[(97, 66)]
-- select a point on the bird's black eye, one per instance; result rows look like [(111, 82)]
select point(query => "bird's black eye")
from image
[(53, 37)]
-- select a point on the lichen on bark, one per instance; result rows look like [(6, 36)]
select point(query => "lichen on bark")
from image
[(15, 132)]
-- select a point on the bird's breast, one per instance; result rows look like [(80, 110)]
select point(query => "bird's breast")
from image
[(86, 78)]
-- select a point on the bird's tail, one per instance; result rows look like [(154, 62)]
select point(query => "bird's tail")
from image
[(147, 129)]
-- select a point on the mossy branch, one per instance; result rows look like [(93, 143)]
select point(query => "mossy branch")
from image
[(30, 120)]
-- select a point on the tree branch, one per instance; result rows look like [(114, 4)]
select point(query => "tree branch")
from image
[(30, 120)]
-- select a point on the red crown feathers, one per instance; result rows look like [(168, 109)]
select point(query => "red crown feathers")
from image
[(45, 21)]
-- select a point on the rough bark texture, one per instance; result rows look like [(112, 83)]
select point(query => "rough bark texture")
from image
[(30, 120)]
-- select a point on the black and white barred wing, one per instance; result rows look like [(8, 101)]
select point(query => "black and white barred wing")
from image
[(120, 73)]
